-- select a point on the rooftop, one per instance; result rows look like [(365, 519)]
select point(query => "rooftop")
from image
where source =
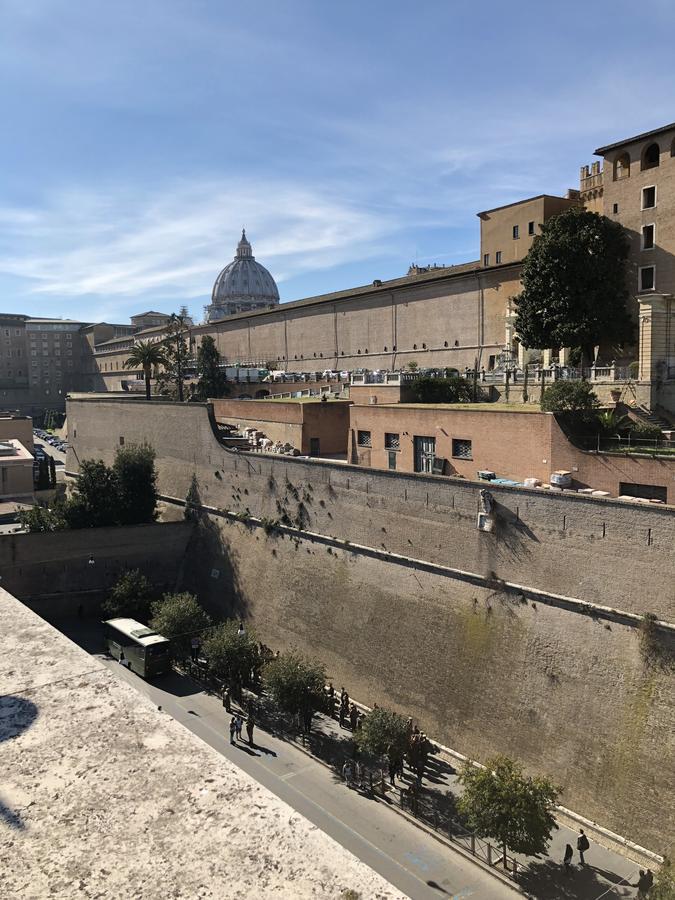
[(521, 202), (638, 137), (526, 408), (104, 795)]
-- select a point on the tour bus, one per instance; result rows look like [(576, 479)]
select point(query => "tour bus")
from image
[(145, 652)]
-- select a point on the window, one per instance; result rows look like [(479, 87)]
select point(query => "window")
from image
[(647, 237), (650, 157), (363, 439), (649, 197), (391, 459), (615, 208), (121, 441), (622, 167), (461, 448), (516, 232), (530, 227), (486, 259), (647, 278), (498, 256), (391, 441)]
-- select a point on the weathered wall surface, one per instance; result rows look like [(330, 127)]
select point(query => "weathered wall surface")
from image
[(601, 551), (482, 669), (566, 694), (51, 573)]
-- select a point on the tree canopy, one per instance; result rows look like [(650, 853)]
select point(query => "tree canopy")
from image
[(179, 617), (574, 284), (212, 381), (146, 355), (452, 389), (136, 483), (569, 396), (176, 357), (232, 656), (384, 733), (502, 803), (129, 596), (295, 682)]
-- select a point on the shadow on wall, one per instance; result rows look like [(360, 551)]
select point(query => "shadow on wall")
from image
[(211, 570)]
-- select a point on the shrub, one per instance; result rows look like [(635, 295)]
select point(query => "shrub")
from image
[(232, 656), (179, 617), (442, 390), (645, 431), (129, 596), (384, 732), (569, 396)]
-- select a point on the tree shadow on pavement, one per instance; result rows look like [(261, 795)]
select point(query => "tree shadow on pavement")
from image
[(549, 881)]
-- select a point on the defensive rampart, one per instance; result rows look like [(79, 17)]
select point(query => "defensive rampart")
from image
[(365, 573)]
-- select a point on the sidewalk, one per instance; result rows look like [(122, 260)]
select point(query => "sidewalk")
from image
[(606, 873)]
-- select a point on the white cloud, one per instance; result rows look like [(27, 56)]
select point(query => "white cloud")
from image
[(175, 240)]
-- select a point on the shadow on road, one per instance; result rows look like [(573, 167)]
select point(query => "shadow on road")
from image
[(549, 881)]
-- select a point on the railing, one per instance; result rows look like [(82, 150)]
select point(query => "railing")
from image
[(626, 445)]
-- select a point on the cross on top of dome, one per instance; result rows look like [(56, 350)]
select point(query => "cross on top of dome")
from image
[(243, 247)]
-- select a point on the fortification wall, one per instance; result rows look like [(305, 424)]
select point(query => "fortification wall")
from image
[(567, 694), (552, 680), (600, 551), (51, 573)]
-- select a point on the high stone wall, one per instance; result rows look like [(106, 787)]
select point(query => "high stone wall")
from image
[(566, 692)]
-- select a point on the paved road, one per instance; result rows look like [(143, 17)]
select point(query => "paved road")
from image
[(410, 859)]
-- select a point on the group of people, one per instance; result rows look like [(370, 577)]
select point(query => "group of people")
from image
[(342, 709), (582, 847), (237, 724)]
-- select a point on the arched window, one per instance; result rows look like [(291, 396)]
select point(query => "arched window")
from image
[(650, 156), (622, 166), (424, 346), (445, 343)]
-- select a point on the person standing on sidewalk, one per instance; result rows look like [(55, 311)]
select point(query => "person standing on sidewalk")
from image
[(233, 729), (567, 859), (239, 724), (249, 728), (582, 846)]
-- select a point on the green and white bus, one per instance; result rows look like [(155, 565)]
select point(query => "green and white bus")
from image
[(145, 652)]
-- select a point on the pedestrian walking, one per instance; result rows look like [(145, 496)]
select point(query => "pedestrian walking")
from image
[(343, 713), (249, 728), (239, 724), (582, 846), (644, 885), (353, 716), (567, 859), (227, 700), (233, 729), (348, 772)]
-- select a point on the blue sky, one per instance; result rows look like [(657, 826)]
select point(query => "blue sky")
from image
[(350, 138)]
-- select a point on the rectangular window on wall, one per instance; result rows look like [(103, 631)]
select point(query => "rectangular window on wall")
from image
[(391, 459), (647, 237), (461, 448), (530, 227), (498, 256), (392, 441), (649, 197), (516, 232), (363, 438), (486, 259), (647, 278)]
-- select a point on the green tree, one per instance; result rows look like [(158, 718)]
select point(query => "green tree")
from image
[(413, 366), (296, 684), (384, 733), (41, 519), (136, 484), (179, 617), (94, 503), (212, 381), (500, 802), (664, 883), (610, 422), (232, 656), (43, 475), (569, 396), (455, 389), (176, 357), (146, 355), (574, 284), (130, 596)]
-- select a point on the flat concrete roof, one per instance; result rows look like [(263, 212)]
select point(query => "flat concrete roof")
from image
[(522, 202), (103, 795)]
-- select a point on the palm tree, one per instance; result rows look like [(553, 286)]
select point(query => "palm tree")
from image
[(145, 355)]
